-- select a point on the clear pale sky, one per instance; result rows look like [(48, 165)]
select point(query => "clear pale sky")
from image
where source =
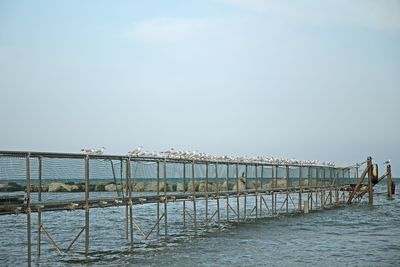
[(294, 79)]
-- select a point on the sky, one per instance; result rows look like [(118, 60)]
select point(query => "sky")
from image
[(293, 79)]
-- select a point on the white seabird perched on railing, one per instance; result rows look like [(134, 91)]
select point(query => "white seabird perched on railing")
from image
[(94, 151), (200, 156), (135, 152), (87, 150)]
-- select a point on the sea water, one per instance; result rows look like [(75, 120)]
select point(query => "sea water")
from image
[(351, 235)]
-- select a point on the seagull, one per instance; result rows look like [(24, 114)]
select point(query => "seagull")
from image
[(171, 150), (99, 151), (387, 162), (135, 152), (94, 151), (87, 150)]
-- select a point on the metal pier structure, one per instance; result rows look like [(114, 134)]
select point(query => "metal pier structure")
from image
[(206, 192)]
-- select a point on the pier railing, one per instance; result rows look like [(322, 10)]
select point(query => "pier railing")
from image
[(229, 190)]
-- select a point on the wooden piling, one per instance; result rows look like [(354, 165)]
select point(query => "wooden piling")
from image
[(370, 192), (389, 182), (306, 206), (343, 185)]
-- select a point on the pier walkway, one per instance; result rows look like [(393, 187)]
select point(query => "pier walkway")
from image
[(205, 192)]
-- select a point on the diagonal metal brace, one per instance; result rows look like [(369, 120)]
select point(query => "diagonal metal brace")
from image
[(357, 187)]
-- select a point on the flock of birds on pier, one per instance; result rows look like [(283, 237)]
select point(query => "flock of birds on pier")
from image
[(199, 156), (94, 151)]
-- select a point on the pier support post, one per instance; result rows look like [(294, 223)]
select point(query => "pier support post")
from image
[(336, 175), (273, 183), (261, 189), (28, 209), (194, 196), (217, 183), (330, 188), (206, 193), (300, 189), (126, 202), (227, 207), (86, 205), (370, 192), (343, 185), (273, 203), (306, 206), (310, 185), (39, 234), (158, 198), (389, 182), (245, 195), (165, 201), (256, 191), (237, 193), (184, 190), (129, 189), (227, 194), (287, 188), (323, 188)]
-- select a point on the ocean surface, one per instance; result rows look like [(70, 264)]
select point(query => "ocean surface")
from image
[(350, 235)]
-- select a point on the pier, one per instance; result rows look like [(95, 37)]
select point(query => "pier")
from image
[(201, 192)]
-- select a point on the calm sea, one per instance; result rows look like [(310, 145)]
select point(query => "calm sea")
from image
[(355, 235)]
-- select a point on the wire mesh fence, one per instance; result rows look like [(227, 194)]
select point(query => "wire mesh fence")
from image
[(50, 173)]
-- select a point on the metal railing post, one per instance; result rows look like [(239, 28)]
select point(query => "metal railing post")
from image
[(86, 205), (194, 195), (158, 198), (28, 209), (39, 234)]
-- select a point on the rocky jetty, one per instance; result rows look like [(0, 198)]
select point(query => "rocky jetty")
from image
[(11, 187), (141, 186)]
